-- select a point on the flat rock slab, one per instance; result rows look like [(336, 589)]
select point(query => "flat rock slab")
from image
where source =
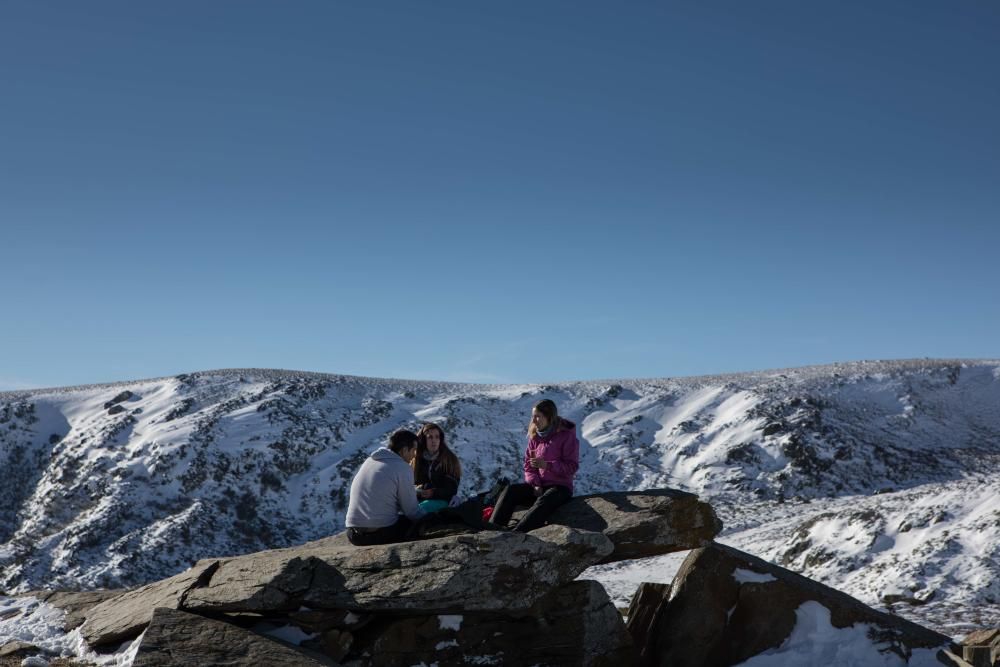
[(480, 572), (177, 638), (124, 616), (726, 606), (643, 523)]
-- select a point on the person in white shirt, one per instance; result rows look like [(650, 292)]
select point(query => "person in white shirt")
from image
[(383, 503)]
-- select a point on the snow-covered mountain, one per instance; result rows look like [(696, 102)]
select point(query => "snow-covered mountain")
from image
[(877, 478)]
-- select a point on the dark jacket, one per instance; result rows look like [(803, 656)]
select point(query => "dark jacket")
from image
[(444, 485)]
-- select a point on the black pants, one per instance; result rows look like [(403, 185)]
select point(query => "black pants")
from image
[(397, 532), (540, 507)]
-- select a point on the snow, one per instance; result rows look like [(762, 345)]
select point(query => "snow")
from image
[(30, 620), (814, 641), (751, 577), (450, 622), (287, 633)]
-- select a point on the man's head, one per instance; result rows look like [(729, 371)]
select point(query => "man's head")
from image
[(404, 443)]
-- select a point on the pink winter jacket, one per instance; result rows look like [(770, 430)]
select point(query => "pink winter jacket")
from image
[(561, 450)]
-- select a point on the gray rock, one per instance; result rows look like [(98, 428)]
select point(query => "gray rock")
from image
[(725, 606), (642, 611), (76, 604), (177, 638), (124, 616), (18, 649), (643, 523), (575, 624), (982, 647), (123, 396), (481, 572)]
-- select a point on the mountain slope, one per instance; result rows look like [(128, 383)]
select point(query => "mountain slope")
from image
[(108, 489)]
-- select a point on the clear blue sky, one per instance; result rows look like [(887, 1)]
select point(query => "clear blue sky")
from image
[(514, 191)]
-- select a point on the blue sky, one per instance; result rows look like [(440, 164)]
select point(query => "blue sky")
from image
[(524, 192)]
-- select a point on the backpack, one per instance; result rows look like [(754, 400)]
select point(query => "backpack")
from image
[(489, 499)]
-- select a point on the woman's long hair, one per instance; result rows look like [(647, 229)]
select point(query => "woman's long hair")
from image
[(547, 408), (446, 458)]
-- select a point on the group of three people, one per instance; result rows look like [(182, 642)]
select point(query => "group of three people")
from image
[(417, 473)]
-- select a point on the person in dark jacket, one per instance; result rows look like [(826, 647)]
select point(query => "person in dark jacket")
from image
[(550, 463), (436, 470)]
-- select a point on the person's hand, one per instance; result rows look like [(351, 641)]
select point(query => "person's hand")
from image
[(538, 491), (425, 493), (536, 462)]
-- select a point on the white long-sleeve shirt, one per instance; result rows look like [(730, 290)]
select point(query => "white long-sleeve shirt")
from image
[(381, 490)]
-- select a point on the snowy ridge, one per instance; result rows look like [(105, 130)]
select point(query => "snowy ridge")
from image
[(228, 462)]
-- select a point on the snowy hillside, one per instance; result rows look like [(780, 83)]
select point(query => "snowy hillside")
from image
[(874, 477)]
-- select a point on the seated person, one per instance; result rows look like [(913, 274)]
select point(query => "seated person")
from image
[(550, 463), (436, 470), (381, 490)]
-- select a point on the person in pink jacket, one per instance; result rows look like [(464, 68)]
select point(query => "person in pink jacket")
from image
[(550, 462)]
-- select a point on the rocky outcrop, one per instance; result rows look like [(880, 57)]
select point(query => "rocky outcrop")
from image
[(489, 598), (493, 597), (725, 606), (643, 523), (488, 571), (179, 639)]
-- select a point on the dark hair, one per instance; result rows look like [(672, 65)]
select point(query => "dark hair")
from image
[(449, 462), (402, 439), (547, 408)]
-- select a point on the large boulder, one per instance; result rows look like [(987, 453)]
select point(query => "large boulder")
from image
[(643, 523), (482, 572), (124, 616), (725, 606), (575, 624), (177, 638), (488, 571)]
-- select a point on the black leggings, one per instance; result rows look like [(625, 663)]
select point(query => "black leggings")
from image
[(540, 507), (397, 532)]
